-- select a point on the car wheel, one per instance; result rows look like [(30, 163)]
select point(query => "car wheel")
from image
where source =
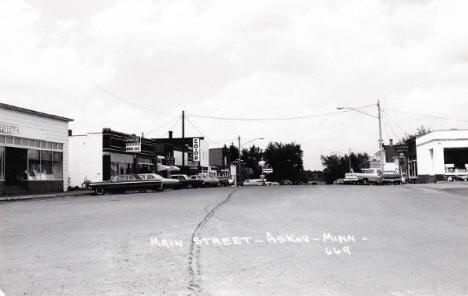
[(365, 182), (189, 186), (161, 188), (99, 190)]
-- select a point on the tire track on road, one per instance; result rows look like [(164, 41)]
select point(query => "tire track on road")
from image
[(194, 267)]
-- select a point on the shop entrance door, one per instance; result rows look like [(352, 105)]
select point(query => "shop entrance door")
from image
[(16, 164)]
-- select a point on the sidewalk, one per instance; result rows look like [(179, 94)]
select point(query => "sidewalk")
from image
[(45, 196)]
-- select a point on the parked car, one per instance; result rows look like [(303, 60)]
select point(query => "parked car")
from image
[(187, 182), (165, 182), (391, 177), (123, 183), (225, 181), (254, 182), (207, 180), (339, 181), (286, 182), (367, 176), (268, 183)]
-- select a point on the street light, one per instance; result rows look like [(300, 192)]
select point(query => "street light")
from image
[(239, 160), (379, 117)]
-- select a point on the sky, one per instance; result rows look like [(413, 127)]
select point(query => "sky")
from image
[(133, 66)]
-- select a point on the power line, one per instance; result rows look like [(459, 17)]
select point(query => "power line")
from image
[(395, 123), (276, 118), (162, 125), (428, 115), (129, 102), (266, 119), (387, 124), (198, 130)]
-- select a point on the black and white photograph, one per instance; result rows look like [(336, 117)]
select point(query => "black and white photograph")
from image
[(234, 148)]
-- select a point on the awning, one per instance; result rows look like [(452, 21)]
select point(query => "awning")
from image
[(173, 168), (162, 167)]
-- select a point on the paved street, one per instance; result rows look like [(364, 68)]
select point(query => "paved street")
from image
[(284, 240)]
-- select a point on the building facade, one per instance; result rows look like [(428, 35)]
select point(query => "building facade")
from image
[(219, 161), (99, 156), (441, 155), (191, 154), (33, 151)]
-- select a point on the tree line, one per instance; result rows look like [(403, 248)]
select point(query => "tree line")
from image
[(286, 160)]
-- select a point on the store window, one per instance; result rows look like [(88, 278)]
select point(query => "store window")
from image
[(45, 165), (121, 164), (34, 164), (2, 163), (57, 159)]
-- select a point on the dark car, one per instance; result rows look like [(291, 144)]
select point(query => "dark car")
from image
[(123, 183), (186, 182)]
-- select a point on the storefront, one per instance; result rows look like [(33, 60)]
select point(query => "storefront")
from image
[(442, 155), (33, 151), (190, 154), (101, 155)]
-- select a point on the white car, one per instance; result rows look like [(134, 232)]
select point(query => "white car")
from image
[(165, 182), (254, 182)]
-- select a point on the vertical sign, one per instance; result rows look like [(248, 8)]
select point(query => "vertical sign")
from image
[(196, 149)]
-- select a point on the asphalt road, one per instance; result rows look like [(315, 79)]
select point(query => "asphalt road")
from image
[(283, 240)]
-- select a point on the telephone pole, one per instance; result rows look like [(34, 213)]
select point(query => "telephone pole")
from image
[(382, 152), (183, 141), (379, 117)]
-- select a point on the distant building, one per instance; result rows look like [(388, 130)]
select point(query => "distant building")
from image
[(191, 154), (220, 162), (391, 155), (33, 151)]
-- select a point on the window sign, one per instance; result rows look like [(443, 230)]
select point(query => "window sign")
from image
[(196, 149)]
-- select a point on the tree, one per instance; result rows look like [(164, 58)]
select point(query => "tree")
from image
[(308, 176), (233, 152), (420, 131), (285, 160), (336, 166), (251, 157)]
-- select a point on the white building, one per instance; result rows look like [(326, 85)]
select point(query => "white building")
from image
[(442, 154), (97, 156), (33, 151), (86, 158)]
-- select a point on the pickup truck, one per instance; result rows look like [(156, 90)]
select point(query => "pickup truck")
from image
[(367, 176), (372, 176)]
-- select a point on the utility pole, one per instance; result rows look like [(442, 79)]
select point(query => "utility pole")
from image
[(381, 148), (239, 161), (183, 141)]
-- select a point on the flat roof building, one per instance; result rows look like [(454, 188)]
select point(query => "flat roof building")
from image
[(33, 151), (442, 154)]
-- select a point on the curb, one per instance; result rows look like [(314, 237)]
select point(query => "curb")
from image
[(43, 196)]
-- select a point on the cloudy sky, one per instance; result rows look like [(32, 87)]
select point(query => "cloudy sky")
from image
[(134, 66)]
